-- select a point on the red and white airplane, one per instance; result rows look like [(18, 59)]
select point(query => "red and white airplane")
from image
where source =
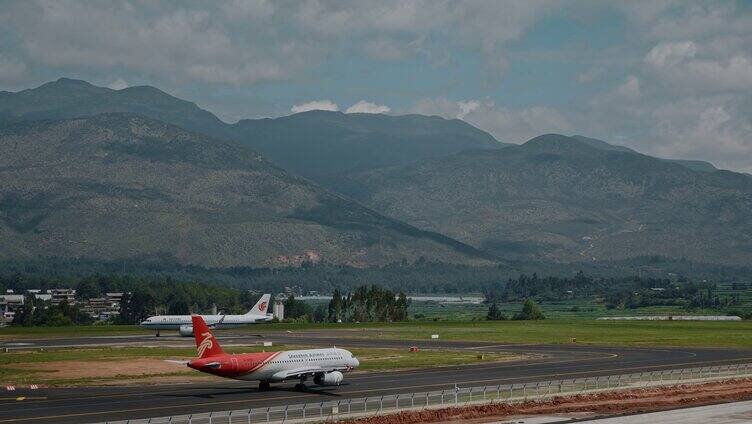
[(324, 366)]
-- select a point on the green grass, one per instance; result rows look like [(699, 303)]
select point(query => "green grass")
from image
[(625, 333), (565, 309), (15, 332), (631, 333)]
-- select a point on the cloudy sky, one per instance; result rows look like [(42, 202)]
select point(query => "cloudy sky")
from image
[(669, 78)]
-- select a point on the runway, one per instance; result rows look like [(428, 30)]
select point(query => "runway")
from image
[(96, 404)]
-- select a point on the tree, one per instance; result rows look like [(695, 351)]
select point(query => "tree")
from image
[(399, 312), (320, 314), (295, 309), (25, 315), (179, 304), (335, 306), (88, 289), (495, 314), (137, 306), (530, 311)]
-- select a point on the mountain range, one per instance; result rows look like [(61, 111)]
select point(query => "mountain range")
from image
[(558, 198), (93, 172), (125, 186), (309, 144)]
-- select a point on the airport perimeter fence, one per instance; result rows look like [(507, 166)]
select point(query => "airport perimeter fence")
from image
[(457, 396)]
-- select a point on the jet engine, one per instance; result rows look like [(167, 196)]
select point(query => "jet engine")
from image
[(186, 330), (333, 378)]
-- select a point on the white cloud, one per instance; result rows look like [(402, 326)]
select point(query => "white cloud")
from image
[(248, 9), (679, 64), (666, 54), (630, 88), (367, 107), (467, 107), (589, 75), (189, 42), (710, 128), (11, 70), (735, 72), (511, 125), (677, 19), (246, 42), (118, 84), (395, 29), (315, 105)]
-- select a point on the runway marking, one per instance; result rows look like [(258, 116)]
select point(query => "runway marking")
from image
[(343, 393), (509, 364), (442, 369), (361, 377)]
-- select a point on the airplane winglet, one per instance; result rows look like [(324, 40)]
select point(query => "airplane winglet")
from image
[(261, 306)]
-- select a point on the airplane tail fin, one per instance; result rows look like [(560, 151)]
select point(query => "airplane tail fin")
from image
[(261, 306), (206, 344)]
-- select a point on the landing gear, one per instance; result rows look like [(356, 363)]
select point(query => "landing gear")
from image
[(301, 387), (157, 333), (264, 386)]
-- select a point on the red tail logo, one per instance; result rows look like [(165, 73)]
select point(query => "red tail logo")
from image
[(205, 344), (262, 306)]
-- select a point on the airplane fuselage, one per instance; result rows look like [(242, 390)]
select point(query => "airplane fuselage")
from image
[(277, 366), (174, 322)]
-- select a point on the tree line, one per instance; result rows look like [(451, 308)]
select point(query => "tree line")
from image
[(142, 297), (420, 276), (364, 304), (615, 293)]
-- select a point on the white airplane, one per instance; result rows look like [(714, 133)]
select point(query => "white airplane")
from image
[(183, 323), (324, 366)]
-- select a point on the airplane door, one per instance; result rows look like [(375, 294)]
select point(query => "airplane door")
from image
[(234, 363)]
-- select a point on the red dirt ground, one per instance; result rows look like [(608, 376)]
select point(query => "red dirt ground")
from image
[(607, 403)]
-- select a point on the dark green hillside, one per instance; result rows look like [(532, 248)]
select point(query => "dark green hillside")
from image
[(68, 98), (695, 165), (317, 143), (309, 144), (557, 198), (124, 186)]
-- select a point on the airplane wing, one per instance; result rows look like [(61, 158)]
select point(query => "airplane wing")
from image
[(299, 372)]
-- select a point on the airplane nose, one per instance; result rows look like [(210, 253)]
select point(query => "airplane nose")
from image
[(356, 363)]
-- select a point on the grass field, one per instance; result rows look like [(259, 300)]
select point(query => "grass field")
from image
[(625, 333), (630, 333), (143, 365), (14, 332), (558, 310)]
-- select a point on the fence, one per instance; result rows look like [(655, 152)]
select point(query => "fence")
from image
[(457, 396)]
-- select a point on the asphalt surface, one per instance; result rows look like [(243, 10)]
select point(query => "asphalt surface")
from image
[(96, 404), (727, 413)]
